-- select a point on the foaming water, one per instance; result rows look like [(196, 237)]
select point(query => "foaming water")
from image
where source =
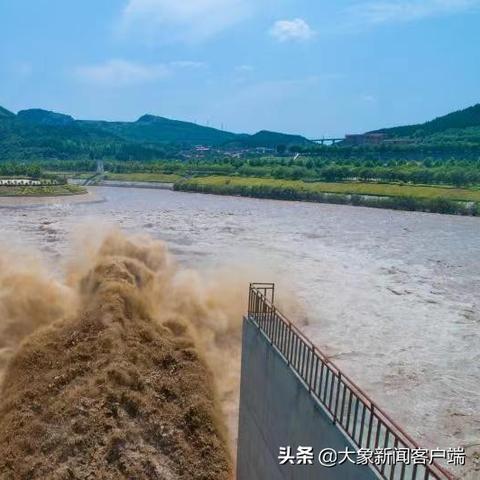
[(124, 337), (30, 297)]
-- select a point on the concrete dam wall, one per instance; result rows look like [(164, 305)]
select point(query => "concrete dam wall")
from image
[(276, 410)]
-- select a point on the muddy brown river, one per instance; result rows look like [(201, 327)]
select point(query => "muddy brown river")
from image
[(393, 297)]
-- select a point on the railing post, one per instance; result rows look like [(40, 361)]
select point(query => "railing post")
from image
[(289, 343), (250, 294), (339, 380), (312, 362), (370, 424), (272, 325)]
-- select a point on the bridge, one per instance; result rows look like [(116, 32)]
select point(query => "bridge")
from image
[(327, 141), (292, 395)]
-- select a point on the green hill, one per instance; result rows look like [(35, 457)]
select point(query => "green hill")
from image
[(156, 130), (44, 117), (151, 129), (468, 118), (268, 139), (27, 140), (37, 134), (4, 113)]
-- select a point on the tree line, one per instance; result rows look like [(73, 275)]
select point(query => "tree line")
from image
[(429, 172)]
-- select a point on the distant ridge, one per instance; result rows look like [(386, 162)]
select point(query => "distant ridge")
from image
[(264, 138), (148, 129), (153, 129), (466, 118), (44, 117), (6, 113)]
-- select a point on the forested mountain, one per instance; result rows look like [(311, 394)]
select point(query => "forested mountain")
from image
[(468, 118), (44, 117), (5, 113), (268, 139), (152, 129), (28, 139), (37, 134)]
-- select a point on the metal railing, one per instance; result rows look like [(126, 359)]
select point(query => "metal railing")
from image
[(364, 423)]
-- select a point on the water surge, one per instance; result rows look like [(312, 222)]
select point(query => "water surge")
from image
[(126, 369)]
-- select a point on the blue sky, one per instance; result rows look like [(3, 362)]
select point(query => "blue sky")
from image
[(313, 67)]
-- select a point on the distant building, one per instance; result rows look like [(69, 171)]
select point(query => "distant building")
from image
[(365, 139), (264, 150), (19, 182)]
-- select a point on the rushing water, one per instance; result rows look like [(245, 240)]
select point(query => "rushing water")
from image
[(393, 297)]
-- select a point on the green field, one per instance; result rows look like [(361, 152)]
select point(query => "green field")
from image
[(143, 177), (41, 191), (371, 189)]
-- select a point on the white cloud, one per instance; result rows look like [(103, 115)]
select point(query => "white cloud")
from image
[(182, 20), (380, 12), (188, 64), (296, 29), (121, 73), (124, 73)]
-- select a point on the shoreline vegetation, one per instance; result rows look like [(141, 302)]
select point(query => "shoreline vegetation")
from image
[(432, 199), (41, 191), (143, 177), (146, 177)]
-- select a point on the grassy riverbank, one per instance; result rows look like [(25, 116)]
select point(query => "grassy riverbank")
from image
[(381, 195), (41, 191), (143, 177)]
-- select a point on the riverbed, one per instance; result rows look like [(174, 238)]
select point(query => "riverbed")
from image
[(392, 296)]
